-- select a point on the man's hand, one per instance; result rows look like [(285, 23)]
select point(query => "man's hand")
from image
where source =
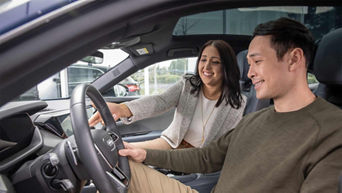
[(136, 154), (117, 110)]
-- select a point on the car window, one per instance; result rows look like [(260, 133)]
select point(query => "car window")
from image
[(156, 78), (82, 74), (320, 20), (86, 70), (312, 81)]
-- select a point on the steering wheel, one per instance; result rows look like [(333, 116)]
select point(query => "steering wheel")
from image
[(98, 149)]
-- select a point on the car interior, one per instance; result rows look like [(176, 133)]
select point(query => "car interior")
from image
[(43, 149), (329, 54)]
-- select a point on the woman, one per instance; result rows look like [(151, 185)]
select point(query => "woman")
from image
[(208, 104)]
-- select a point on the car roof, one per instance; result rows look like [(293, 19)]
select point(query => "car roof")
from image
[(17, 13), (31, 56)]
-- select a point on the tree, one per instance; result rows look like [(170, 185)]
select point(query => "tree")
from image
[(178, 66)]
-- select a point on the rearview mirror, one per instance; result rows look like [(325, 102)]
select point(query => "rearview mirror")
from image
[(95, 58)]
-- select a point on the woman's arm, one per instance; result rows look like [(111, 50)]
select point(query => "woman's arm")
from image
[(117, 110), (154, 105), (144, 107)]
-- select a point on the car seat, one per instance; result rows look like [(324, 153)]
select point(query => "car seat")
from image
[(247, 88), (327, 67)]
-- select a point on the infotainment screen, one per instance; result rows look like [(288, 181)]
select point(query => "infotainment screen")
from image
[(65, 121)]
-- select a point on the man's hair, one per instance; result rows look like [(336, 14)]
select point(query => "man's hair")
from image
[(287, 34)]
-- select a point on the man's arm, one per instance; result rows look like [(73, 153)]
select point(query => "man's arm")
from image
[(324, 175), (203, 160)]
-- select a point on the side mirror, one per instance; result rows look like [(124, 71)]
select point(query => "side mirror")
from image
[(120, 90), (95, 58)]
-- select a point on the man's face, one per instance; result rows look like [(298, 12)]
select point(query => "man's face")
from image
[(268, 74)]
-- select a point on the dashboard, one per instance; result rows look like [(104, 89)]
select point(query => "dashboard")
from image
[(19, 137), (32, 135), (59, 122), (24, 125), (15, 133), (37, 147)]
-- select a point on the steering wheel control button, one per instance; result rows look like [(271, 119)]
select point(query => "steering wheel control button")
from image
[(114, 136), (108, 140)]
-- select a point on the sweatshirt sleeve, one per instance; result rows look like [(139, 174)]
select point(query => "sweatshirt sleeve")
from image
[(323, 167), (191, 160), (150, 106), (323, 177)]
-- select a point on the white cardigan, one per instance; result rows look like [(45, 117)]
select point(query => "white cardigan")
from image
[(179, 96)]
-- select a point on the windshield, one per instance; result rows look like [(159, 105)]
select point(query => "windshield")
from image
[(86, 70)]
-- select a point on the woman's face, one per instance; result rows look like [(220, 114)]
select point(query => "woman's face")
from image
[(209, 67)]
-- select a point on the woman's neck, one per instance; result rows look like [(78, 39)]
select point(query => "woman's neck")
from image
[(212, 93)]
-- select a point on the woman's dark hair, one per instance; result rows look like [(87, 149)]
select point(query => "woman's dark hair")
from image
[(231, 74)]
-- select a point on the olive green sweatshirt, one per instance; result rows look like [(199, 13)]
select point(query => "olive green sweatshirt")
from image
[(270, 152)]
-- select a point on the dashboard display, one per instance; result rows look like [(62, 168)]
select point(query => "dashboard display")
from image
[(65, 121), (15, 134), (59, 123)]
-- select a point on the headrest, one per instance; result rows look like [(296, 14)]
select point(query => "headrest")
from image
[(328, 59), (243, 65)]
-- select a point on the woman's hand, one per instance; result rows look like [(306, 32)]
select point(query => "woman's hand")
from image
[(117, 110), (136, 154)]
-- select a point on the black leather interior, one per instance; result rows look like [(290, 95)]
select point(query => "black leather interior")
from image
[(327, 67)]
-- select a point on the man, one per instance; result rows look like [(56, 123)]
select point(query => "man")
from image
[(293, 146)]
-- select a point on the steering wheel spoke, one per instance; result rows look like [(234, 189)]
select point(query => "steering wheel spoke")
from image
[(119, 175)]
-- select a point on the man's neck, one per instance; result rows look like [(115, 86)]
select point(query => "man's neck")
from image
[(294, 102)]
